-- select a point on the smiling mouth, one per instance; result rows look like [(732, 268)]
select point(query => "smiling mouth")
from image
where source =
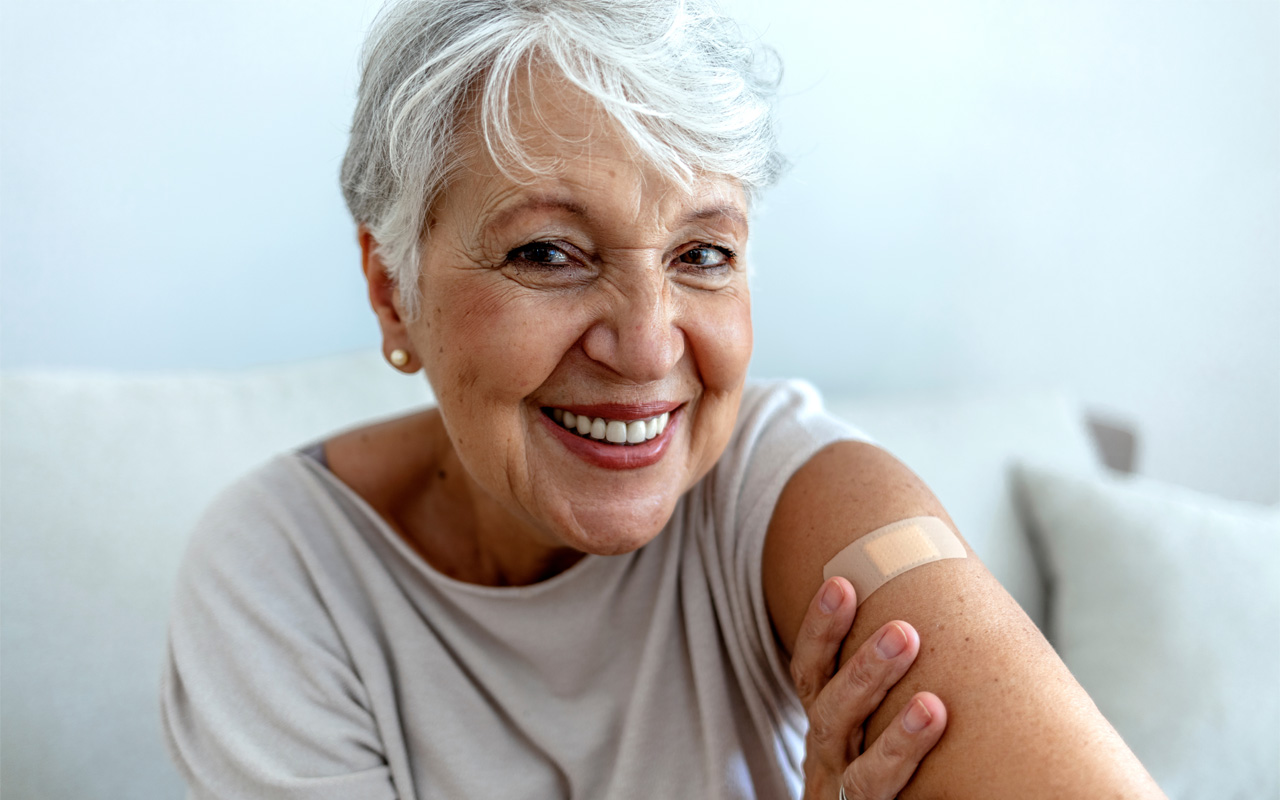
[(610, 431)]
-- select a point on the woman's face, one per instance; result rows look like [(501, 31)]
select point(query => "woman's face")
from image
[(603, 292)]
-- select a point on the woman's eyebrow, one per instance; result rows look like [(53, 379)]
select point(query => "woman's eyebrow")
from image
[(504, 217), (729, 212)]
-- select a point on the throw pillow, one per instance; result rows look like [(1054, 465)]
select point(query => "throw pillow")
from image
[(1165, 605)]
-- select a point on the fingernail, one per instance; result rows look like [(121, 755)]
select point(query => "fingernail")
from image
[(892, 642), (830, 599), (917, 718)]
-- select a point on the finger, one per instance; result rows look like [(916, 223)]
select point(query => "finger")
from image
[(826, 623), (887, 766), (837, 715)]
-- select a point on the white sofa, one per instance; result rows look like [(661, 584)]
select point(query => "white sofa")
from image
[(102, 476)]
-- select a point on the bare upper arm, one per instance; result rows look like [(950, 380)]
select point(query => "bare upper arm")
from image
[(1018, 723)]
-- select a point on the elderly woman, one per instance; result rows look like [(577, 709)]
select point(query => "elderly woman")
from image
[(595, 569)]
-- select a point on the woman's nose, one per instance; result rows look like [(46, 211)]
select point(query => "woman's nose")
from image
[(637, 336)]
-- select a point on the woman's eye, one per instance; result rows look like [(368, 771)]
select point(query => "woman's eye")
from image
[(707, 257), (539, 253)]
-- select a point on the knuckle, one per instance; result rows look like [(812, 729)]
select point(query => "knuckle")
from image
[(800, 677), (819, 735), (863, 674), (858, 784), (895, 748), (816, 628), (822, 729), (797, 671)]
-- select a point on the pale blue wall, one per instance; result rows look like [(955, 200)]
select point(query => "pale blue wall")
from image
[(1083, 194), (170, 194)]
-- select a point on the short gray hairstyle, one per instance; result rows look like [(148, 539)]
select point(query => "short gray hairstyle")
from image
[(678, 77)]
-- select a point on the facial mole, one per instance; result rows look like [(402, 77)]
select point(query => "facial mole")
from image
[(441, 475)]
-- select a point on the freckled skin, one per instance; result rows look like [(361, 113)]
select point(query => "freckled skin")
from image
[(629, 320)]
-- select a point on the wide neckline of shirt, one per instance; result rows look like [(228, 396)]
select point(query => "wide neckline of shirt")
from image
[(587, 564)]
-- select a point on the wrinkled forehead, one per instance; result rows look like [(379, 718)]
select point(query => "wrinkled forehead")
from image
[(546, 126), (558, 147)]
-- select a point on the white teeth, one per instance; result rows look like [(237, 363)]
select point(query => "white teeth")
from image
[(612, 430), (616, 432)]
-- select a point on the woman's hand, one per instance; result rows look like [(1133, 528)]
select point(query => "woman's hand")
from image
[(838, 702)]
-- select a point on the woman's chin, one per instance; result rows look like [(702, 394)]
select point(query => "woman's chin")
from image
[(614, 534)]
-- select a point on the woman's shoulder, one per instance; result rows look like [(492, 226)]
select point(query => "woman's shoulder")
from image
[(366, 458), (278, 513), (781, 425), (789, 407), (259, 495), (387, 459), (258, 611), (252, 532)]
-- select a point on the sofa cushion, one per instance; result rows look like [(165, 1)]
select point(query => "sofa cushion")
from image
[(1165, 604), (102, 478)]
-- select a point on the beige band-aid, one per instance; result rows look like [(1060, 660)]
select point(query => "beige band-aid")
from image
[(883, 555)]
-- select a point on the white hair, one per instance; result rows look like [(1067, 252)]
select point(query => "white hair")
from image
[(677, 76)]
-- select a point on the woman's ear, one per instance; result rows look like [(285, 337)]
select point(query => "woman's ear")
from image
[(384, 297)]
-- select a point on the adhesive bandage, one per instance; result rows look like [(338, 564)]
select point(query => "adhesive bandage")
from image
[(882, 555)]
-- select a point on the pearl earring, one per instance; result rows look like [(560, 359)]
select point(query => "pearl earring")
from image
[(398, 357)]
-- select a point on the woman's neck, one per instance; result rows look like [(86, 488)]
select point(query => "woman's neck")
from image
[(407, 470)]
